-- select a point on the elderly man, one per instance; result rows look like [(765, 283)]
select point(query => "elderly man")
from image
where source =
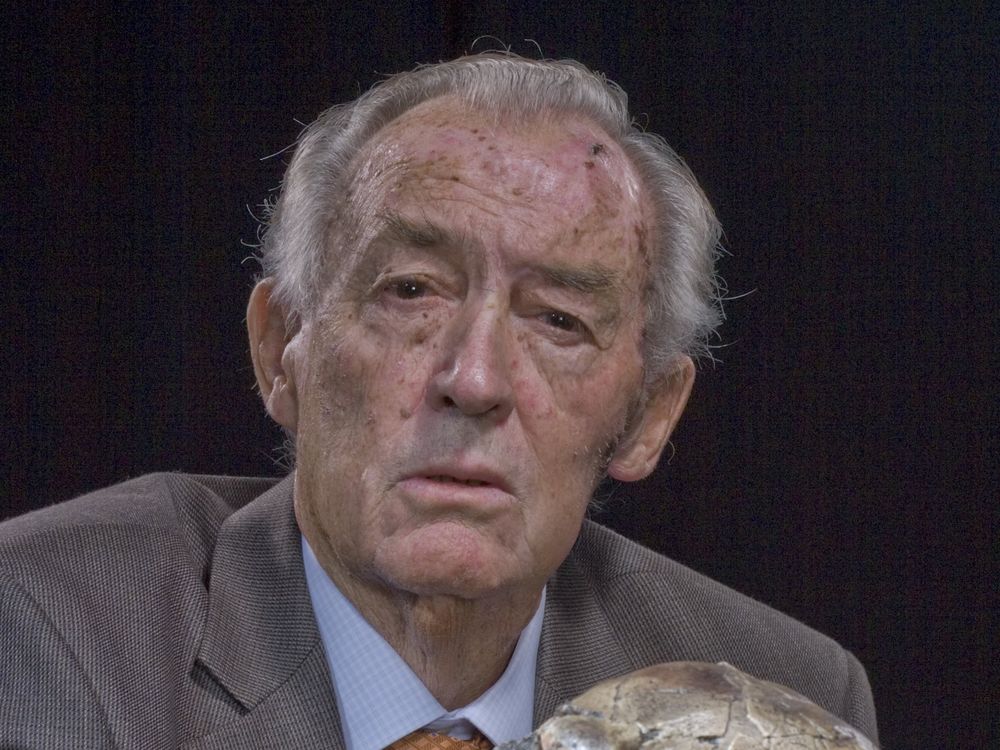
[(483, 287)]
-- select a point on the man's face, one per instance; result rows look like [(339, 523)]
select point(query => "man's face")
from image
[(471, 368)]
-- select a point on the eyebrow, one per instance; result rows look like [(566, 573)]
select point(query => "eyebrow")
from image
[(593, 279), (419, 233)]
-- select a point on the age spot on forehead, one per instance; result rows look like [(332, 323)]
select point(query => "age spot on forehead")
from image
[(568, 163), (641, 239)]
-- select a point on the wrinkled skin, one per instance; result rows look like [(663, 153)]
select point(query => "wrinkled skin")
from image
[(447, 350), (691, 706), (472, 368)]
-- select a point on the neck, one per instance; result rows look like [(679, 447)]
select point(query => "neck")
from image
[(457, 647)]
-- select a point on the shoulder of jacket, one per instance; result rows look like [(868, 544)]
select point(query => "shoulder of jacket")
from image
[(134, 520), (660, 610), (150, 500), (644, 586)]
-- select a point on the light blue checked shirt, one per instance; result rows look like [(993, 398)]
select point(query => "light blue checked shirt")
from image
[(379, 697)]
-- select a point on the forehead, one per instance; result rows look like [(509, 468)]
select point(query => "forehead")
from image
[(541, 182)]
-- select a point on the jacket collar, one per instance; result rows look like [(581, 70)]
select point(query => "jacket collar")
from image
[(579, 647), (260, 641)]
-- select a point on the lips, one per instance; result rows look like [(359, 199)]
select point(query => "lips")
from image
[(456, 480), (463, 472), (457, 483)]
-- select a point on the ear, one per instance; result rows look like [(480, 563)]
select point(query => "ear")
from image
[(273, 355), (637, 455)]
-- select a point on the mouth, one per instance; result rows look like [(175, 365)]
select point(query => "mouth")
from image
[(447, 479), (479, 485)]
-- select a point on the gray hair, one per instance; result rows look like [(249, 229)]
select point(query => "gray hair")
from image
[(682, 298)]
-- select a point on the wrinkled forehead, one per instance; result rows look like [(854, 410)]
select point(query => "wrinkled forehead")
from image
[(566, 141), (563, 162)]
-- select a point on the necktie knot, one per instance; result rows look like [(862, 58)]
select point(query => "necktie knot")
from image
[(424, 740)]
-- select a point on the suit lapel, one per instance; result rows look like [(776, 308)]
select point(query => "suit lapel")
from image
[(261, 644), (260, 640), (579, 646)]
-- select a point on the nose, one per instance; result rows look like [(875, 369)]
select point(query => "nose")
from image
[(474, 374)]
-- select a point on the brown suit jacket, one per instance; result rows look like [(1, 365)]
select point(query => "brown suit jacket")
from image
[(172, 611)]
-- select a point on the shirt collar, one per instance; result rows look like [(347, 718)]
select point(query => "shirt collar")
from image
[(379, 697)]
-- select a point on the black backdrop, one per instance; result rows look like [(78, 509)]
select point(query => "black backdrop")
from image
[(839, 463)]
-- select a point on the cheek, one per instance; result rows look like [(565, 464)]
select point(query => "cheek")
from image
[(569, 384), (407, 378), (374, 368), (401, 361), (532, 392), (583, 415)]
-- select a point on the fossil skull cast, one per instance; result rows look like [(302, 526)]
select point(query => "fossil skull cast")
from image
[(691, 706)]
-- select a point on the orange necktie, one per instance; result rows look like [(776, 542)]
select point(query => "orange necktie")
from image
[(424, 740)]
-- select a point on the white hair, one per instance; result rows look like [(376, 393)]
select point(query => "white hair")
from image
[(682, 297)]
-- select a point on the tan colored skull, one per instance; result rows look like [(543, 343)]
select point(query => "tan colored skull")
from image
[(691, 706)]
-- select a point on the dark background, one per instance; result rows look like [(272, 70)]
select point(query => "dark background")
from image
[(839, 462)]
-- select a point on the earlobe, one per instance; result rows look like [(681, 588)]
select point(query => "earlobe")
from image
[(272, 354), (639, 453)]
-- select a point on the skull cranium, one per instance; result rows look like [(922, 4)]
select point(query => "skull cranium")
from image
[(691, 706)]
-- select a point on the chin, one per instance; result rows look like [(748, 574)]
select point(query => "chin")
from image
[(456, 562), (442, 581)]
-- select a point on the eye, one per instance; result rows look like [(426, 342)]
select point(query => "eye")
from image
[(564, 329), (563, 321), (407, 289)]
